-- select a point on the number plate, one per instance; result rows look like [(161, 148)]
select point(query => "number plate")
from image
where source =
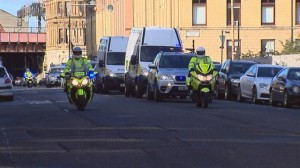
[(182, 88), (122, 85)]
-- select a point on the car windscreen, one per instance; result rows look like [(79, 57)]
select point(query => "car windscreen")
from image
[(294, 74), (56, 70), (267, 71), (174, 61), (2, 73), (239, 68), (217, 67), (148, 53), (115, 58)]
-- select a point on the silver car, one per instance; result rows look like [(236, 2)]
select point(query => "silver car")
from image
[(6, 86), (167, 76)]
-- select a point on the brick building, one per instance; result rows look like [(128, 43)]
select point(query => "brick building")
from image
[(259, 25)]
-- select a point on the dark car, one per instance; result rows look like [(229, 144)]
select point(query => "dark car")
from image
[(229, 77), (285, 87)]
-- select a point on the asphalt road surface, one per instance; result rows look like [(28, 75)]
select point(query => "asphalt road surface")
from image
[(40, 129)]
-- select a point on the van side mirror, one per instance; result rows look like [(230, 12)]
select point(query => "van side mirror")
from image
[(133, 60), (101, 63)]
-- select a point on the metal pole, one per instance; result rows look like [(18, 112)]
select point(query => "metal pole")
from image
[(292, 21), (70, 33), (238, 48), (232, 31), (222, 47)]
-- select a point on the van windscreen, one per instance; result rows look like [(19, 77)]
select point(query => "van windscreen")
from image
[(115, 58), (148, 53)]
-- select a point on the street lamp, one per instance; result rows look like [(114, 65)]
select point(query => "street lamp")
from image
[(222, 38)]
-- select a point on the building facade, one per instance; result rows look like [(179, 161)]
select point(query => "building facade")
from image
[(259, 26), (66, 27)]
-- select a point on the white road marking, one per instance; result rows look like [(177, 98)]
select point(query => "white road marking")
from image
[(39, 102)]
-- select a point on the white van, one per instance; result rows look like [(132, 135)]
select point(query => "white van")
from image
[(143, 45), (110, 58)]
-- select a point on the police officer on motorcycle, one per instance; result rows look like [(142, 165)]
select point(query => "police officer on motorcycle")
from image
[(27, 75), (77, 64)]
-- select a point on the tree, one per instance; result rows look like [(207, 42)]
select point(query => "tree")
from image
[(290, 47)]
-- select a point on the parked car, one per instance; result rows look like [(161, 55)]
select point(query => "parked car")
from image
[(167, 76), (285, 87), (53, 76), (229, 77), (6, 86), (18, 81), (255, 83)]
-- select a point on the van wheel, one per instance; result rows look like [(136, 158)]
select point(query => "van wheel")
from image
[(104, 88), (127, 91), (157, 95), (150, 95)]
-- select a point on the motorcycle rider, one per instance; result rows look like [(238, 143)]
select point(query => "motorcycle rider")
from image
[(76, 64), (200, 58), (27, 75)]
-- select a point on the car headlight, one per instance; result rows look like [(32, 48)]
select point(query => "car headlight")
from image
[(110, 73), (75, 82), (166, 77), (204, 78), (263, 85), (144, 71), (296, 89), (84, 82), (235, 80)]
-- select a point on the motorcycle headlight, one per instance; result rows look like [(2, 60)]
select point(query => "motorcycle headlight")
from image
[(75, 82), (235, 80), (144, 71), (110, 73), (263, 85), (296, 89), (84, 82), (204, 78), (166, 77)]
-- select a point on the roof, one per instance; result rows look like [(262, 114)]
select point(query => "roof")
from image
[(245, 61), (178, 53), (269, 65)]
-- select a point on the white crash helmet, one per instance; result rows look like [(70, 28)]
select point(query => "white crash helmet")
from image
[(200, 51), (77, 52)]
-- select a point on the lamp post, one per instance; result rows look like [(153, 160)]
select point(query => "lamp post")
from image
[(222, 38)]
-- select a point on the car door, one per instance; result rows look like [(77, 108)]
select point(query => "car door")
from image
[(153, 72), (278, 84), (245, 81), (250, 81)]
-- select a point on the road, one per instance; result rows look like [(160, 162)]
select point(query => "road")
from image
[(41, 129)]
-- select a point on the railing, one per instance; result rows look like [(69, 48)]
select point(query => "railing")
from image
[(24, 29)]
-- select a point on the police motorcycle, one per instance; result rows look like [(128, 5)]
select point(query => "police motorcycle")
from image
[(29, 81), (80, 88), (201, 83)]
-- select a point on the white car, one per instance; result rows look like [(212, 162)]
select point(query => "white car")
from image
[(6, 86), (255, 83)]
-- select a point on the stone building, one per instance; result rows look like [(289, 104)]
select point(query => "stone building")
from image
[(259, 25), (60, 14)]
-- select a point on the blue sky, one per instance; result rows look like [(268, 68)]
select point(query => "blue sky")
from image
[(12, 6)]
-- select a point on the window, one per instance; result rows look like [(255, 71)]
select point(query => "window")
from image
[(61, 36), (68, 8), (298, 12), (267, 47), (268, 12), (236, 11), (199, 12), (229, 48), (81, 8), (59, 9)]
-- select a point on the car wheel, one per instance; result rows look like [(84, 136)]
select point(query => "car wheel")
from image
[(104, 87), (286, 103), (271, 101), (157, 95), (150, 95), (254, 96), (239, 96), (138, 92), (227, 94)]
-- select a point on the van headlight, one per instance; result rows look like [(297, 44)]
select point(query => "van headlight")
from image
[(166, 77), (296, 89), (75, 82), (144, 72), (110, 73)]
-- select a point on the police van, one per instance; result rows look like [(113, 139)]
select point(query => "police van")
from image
[(110, 58), (143, 45)]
